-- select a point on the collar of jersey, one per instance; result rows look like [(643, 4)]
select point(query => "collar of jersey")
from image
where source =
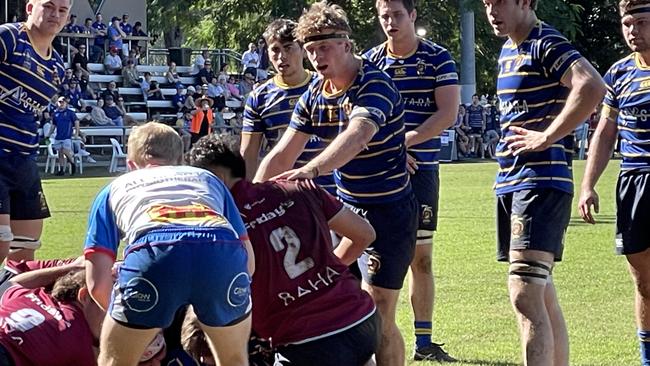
[(638, 62), (280, 83), (49, 49), (411, 53), (327, 94)]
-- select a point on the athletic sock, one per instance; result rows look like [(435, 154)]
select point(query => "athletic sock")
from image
[(423, 334), (644, 341)]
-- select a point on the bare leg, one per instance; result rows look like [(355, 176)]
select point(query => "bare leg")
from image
[(560, 335), (122, 346), (421, 283), (29, 229), (229, 344), (391, 347)]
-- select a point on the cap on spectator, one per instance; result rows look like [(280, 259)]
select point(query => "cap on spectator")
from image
[(248, 75), (125, 15), (204, 86), (108, 97), (191, 89), (208, 62), (113, 49), (61, 99)]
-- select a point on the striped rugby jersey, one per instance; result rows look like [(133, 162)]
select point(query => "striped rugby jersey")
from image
[(25, 89), (377, 174), (417, 76), (628, 93), (268, 111), (531, 96)]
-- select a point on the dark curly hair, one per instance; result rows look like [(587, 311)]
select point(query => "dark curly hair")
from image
[(218, 150), (66, 288), (280, 30)]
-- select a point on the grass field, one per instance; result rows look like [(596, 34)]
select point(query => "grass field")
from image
[(473, 316)]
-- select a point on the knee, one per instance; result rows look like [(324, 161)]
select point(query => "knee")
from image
[(422, 265), (642, 285)]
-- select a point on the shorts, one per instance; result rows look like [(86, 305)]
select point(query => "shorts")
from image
[(168, 268), (352, 347), (532, 219), (632, 212), (386, 261), (62, 144), (5, 357), (21, 194), (426, 187), (476, 131)]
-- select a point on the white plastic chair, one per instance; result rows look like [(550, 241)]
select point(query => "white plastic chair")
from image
[(52, 161), (118, 155)]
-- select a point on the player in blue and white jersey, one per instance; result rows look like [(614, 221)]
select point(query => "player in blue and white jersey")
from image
[(185, 244), (356, 109), (269, 106), (28, 64), (545, 89), (425, 75), (626, 113)]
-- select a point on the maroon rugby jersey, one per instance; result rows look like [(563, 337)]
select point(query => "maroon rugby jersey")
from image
[(301, 291), (35, 329), (23, 266)]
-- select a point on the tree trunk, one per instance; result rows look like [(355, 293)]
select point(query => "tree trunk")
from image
[(173, 37)]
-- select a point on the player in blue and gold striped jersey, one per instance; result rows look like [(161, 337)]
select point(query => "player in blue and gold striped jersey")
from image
[(28, 64), (425, 75), (358, 111), (626, 112), (546, 89), (269, 106)]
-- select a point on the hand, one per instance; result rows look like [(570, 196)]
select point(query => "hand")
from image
[(588, 198), (411, 164), (524, 141), (304, 172)]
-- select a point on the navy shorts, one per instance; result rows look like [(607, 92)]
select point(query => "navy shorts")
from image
[(168, 268), (21, 194), (426, 187), (632, 212), (352, 347), (534, 219), (387, 259)]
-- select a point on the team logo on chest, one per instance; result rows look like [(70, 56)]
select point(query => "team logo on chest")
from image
[(420, 67), (400, 71), (27, 62), (346, 106)]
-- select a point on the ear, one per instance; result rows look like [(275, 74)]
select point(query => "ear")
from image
[(29, 7), (348, 47), (414, 15), (83, 296), (132, 165)]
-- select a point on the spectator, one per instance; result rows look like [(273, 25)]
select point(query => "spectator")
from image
[(67, 125), (97, 115), (462, 141), (475, 119), (115, 36), (199, 62), (263, 66), (67, 76), (134, 56), (88, 26), (111, 91), (224, 69), (80, 61), (189, 98), (154, 92), (183, 127), (113, 111), (202, 92), (171, 76), (214, 89), (145, 85), (491, 136), (125, 26), (130, 76), (86, 91), (100, 38), (72, 26), (250, 59), (137, 32), (75, 96), (233, 88), (178, 100), (246, 84), (113, 62), (206, 74), (202, 119)]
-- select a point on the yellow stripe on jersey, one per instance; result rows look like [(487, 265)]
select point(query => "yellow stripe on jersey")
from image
[(414, 78), (27, 86), (534, 120), (530, 73), (350, 176), (515, 57), (381, 142), (631, 93), (394, 148), (18, 130), (374, 194), (638, 142), (4, 47), (635, 155), (638, 130), (541, 87), (377, 95), (416, 91), (375, 81), (19, 143), (532, 179), (535, 163), (19, 67)]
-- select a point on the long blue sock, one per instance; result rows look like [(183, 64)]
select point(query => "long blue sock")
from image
[(644, 341), (422, 334)]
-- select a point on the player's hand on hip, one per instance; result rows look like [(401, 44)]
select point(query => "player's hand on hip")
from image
[(588, 199), (411, 164), (295, 174), (524, 141)]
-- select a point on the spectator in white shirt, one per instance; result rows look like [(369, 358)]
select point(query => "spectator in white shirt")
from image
[(250, 58), (113, 62)]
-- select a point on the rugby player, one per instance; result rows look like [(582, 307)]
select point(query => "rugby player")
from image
[(28, 65), (269, 106), (305, 301), (425, 74), (545, 85), (624, 112), (356, 109), (185, 244)]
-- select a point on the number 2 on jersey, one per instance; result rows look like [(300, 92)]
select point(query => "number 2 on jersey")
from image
[(284, 237)]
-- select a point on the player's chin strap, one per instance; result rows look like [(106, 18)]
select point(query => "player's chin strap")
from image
[(23, 242), (537, 272), (5, 233)]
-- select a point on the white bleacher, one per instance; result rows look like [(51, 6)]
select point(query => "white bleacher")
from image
[(161, 69), (138, 116)]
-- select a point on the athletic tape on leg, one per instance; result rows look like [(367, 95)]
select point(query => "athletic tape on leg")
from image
[(536, 272), (24, 242), (5, 233), (424, 237)]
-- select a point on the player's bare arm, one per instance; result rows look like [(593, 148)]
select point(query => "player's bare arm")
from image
[(447, 99), (600, 151), (344, 148), (357, 235), (282, 156), (46, 276), (250, 151), (98, 277), (587, 90)]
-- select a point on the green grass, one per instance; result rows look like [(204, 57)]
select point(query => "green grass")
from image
[(472, 316)]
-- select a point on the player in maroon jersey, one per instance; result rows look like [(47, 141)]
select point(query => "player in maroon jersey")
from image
[(304, 298)]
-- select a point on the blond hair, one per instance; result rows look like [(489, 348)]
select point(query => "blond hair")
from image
[(155, 142), (321, 16)]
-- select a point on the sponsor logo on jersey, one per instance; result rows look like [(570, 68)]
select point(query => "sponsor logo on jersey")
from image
[(267, 216), (140, 295), (321, 280), (239, 290), (400, 71)]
